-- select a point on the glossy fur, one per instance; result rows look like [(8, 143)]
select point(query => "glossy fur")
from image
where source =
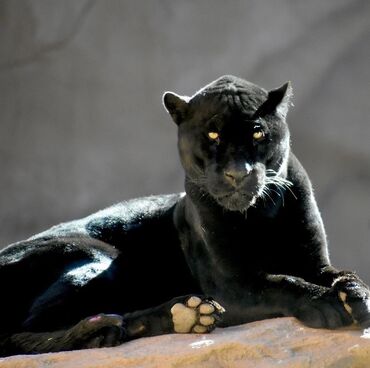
[(247, 233)]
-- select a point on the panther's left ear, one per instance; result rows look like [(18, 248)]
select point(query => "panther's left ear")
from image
[(278, 101), (176, 105)]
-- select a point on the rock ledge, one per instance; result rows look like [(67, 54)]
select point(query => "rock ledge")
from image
[(282, 342)]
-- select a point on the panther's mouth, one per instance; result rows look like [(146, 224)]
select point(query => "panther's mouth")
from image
[(236, 200)]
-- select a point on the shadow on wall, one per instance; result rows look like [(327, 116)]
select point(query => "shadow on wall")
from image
[(82, 124)]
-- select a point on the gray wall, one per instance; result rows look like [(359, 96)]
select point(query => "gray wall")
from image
[(81, 120)]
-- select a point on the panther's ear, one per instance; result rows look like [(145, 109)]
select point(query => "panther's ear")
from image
[(176, 105), (278, 101)]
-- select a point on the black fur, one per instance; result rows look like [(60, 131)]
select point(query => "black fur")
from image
[(247, 233)]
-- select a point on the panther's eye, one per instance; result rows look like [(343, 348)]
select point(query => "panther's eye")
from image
[(213, 135), (258, 135)]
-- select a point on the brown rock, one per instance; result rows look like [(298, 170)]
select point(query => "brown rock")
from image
[(281, 342)]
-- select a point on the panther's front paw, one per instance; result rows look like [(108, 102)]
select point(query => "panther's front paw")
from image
[(354, 294), (323, 311), (345, 303), (198, 315)]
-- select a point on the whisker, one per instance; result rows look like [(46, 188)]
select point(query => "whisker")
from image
[(265, 192), (272, 190), (268, 195), (281, 184), (291, 191)]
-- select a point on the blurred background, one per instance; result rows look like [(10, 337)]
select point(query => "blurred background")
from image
[(81, 120)]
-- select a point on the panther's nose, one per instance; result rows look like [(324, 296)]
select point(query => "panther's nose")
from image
[(235, 177)]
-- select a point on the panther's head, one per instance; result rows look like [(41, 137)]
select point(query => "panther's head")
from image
[(233, 139)]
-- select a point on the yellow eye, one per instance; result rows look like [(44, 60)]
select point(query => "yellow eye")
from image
[(213, 135), (258, 135)]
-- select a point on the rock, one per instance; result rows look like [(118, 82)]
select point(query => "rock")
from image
[(282, 342)]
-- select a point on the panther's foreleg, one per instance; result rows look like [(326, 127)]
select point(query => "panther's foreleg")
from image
[(344, 302)]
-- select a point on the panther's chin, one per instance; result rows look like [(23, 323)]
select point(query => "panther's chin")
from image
[(236, 201)]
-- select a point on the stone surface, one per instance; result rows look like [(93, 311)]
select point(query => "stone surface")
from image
[(281, 342)]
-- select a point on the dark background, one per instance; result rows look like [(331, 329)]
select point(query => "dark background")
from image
[(81, 120)]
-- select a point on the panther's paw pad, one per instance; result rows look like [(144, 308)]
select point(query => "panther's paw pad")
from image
[(343, 297), (196, 315)]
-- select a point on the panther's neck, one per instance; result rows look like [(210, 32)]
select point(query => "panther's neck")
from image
[(200, 204), (211, 231)]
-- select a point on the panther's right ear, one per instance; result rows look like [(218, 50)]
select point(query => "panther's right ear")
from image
[(176, 105)]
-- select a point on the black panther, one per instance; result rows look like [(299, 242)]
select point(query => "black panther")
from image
[(244, 242)]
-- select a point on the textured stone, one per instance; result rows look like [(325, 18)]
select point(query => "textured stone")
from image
[(281, 342)]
